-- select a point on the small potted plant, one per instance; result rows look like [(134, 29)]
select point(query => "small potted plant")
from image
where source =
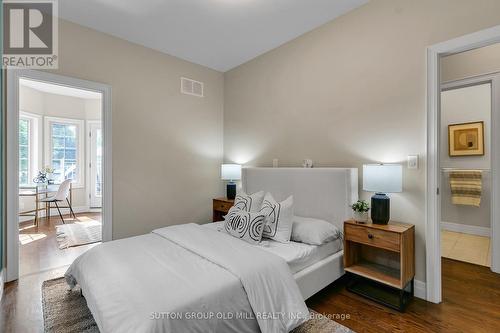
[(360, 211), (49, 174)]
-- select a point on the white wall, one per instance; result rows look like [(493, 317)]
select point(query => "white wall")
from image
[(53, 105), (350, 92), (461, 106)]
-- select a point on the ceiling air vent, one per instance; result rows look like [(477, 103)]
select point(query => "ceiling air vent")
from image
[(191, 87)]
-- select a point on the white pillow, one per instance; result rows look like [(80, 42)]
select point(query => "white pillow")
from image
[(313, 231), (249, 203), (247, 226), (279, 218)]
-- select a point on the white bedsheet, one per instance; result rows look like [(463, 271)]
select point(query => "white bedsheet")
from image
[(151, 284), (297, 255)]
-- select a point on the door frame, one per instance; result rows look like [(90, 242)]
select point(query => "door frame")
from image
[(88, 127), (433, 175), (12, 235)]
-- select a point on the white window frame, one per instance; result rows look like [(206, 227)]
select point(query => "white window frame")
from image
[(80, 129), (34, 144)]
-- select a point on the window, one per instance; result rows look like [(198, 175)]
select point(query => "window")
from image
[(28, 147), (24, 151), (64, 152)]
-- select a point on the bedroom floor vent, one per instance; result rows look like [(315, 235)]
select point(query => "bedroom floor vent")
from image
[(191, 87)]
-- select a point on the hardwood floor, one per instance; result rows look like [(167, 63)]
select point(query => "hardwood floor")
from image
[(39, 249), (471, 303), (40, 259)]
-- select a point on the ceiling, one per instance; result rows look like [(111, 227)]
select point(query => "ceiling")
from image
[(59, 90), (220, 34)]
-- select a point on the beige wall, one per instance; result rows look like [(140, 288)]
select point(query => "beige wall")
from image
[(167, 147), (350, 92), (484, 60)]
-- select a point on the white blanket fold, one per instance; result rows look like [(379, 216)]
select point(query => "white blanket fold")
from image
[(272, 291)]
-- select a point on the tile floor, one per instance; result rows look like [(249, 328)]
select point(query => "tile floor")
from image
[(464, 247)]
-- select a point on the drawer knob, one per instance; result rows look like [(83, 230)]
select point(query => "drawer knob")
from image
[(370, 236)]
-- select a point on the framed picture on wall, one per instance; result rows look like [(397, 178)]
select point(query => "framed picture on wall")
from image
[(466, 139)]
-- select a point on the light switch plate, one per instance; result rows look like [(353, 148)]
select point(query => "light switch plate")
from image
[(412, 161)]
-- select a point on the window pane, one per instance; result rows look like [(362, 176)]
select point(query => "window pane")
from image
[(57, 164), (58, 129), (23, 164), (24, 126), (57, 153), (23, 177), (70, 131), (70, 154), (64, 151), (23, 152), (70, 142), (23, 138), (58, 142)]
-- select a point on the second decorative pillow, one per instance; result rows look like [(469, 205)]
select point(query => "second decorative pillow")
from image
[(279, 217), (249, 203)]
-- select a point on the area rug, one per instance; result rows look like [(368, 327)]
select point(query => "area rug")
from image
[(78, 233), (66, 311)]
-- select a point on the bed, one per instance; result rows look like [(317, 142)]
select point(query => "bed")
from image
[(194, 278)]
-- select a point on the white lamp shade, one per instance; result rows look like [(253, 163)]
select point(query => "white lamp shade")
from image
[(383, 178), (230, 172)]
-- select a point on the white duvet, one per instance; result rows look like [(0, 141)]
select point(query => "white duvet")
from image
[(187, 278)]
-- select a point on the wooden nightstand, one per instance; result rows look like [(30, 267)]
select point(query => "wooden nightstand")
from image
[(381, 260), (220, 208)]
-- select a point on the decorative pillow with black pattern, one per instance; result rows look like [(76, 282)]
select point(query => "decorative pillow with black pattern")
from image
[(247, 226), (249, 203), (279, 218)]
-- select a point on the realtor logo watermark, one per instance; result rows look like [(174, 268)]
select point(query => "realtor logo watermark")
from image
[(30, 34)]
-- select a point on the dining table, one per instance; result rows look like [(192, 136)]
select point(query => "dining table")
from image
[(40, 191)]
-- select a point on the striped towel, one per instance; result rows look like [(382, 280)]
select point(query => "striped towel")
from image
[(466, 187)]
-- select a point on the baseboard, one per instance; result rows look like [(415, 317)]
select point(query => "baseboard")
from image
[(420, 289), (2, 282), (55, 213), (466, 229)]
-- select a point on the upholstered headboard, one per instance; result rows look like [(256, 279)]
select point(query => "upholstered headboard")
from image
[(323, 193)]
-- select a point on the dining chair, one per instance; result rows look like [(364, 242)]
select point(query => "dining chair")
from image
[(61, 195)]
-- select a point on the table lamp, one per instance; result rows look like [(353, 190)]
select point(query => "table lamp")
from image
[(382, 179), (230, 172)]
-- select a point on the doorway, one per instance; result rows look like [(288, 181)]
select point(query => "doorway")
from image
[(466, 111), (434, 173), (49, 148)]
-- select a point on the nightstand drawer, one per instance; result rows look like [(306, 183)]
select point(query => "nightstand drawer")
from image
[(373, 237), (222, 206)]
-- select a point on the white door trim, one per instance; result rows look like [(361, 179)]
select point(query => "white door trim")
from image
[(12, 234), (90, 181), (433, 174)]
